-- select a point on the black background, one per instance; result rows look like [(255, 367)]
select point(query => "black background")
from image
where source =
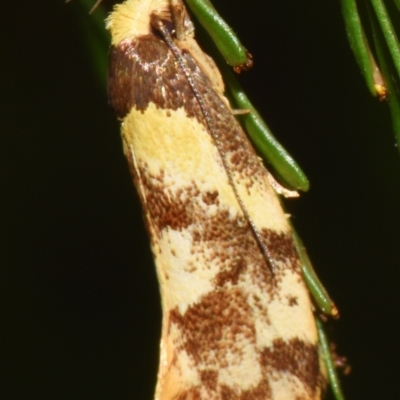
[(80, 315)]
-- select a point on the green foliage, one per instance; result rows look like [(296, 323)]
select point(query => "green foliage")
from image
[(382, 76)]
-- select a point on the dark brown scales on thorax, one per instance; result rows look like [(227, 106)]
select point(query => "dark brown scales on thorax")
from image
[(144, 71)]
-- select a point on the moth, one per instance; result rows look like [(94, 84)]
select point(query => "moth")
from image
[(237, 317)]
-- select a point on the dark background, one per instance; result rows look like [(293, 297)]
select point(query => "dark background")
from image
[(80, 315)]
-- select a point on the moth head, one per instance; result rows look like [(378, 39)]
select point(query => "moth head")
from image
[(131, 19)]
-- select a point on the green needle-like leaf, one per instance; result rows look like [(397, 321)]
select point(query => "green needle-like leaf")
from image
[(359, 45), (330, 365), (388, 32), (392, 80), (289, 172), (222, 34), (314, 285)]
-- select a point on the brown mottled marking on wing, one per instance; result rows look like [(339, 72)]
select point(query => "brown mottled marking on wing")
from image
[(231, 274), (209, 378), (282, 248), (210, 198), (292, 301), (297, 358), (191, 394), (216, 331), (261, 392), (168, 209), (233, 245), (211, 327)]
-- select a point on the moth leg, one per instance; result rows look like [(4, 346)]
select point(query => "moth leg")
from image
[(183, 25), (279, 189), (184, 32), (261, 136), (241, 111)]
